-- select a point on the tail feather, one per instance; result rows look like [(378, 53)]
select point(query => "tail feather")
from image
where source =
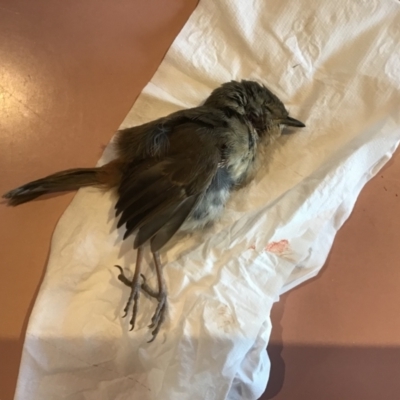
[(71, 179)]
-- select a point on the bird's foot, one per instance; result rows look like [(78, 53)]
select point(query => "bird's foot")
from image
[(133, 297), (121, 277), (159, 315)]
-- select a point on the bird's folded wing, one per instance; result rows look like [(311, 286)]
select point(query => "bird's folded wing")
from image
[(156, 195)]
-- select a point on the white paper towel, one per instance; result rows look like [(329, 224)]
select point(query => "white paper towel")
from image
[(336, 65)]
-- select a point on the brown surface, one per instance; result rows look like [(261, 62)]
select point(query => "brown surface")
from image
[(69, 73), (337, 336)]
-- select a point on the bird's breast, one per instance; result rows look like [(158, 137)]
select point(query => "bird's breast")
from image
[(242, 158), (238, 164), (212, 203)]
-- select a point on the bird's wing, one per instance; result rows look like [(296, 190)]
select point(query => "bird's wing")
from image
[(152, 138), (158, 194)]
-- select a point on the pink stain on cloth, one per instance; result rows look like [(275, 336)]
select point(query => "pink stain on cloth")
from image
[(278, 247)]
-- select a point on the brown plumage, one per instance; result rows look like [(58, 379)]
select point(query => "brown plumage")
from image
[(177, 172)]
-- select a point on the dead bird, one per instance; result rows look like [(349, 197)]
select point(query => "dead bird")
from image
[(177, 173)]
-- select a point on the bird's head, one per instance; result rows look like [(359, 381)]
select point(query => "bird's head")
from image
[(254, 102)]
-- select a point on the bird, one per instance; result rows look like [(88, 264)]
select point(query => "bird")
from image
[(177, 173)]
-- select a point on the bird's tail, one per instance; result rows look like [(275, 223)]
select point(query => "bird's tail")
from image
[(70, 179)]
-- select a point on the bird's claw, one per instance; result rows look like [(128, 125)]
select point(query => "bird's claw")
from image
[(133, 297), (121, 277), (147, 289), (159, 315)]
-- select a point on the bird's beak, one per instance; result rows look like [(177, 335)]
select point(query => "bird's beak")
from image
[(289, 121)]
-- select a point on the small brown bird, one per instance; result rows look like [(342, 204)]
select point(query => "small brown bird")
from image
[(177, 172)]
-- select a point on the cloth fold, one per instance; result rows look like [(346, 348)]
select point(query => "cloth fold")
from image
[(336, 66)]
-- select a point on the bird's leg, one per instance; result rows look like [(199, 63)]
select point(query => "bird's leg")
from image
[(134, 285), (161, 296)]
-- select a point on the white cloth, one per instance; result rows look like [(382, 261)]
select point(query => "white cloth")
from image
[(336, 65)]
